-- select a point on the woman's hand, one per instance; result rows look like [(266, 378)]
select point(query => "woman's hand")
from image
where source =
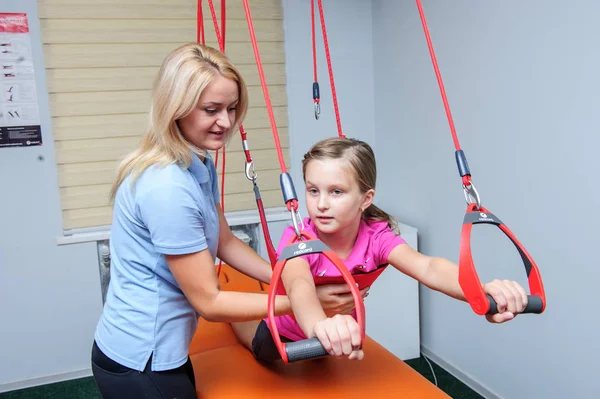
[(510, 297), (337, 298), (340, 336)]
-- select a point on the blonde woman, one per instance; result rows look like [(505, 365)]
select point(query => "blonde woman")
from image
[(167, 230)]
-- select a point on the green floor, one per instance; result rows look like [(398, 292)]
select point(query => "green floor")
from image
[(85, 388)]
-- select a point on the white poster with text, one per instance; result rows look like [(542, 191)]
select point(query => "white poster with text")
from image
[(19, 112)]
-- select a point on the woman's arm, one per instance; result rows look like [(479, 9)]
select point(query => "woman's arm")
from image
[(196, 275), (240, 256)]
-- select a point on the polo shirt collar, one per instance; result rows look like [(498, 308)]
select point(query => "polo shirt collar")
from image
[(199, 169)]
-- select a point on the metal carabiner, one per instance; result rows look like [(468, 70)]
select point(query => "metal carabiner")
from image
[(471, 195), (317, 110), (250, 172), (297, 222)]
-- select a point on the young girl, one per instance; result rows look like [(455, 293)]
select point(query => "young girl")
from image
[(340, 175)]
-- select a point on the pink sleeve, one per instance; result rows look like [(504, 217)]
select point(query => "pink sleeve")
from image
[(386, 241), (287, 235)]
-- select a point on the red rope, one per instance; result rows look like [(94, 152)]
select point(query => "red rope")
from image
[(328, 56), (220, 33), (220, 37), (314, 42), (223, 19), (200, 25), (265, 89), (466, 178), (438, 76), (223, 182)]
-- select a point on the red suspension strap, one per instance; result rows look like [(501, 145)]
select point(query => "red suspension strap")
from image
[(469, 281), (249, 169), (200, 36), (287, 185), (220, 33), (330, 68), (200, 25)]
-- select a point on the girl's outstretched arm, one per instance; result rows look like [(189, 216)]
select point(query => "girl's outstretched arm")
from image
[(442, 275), (436, 273)]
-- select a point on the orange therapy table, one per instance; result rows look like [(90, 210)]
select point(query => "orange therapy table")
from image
[(224, 368)]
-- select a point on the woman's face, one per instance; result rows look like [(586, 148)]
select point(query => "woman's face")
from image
[(209, 122)]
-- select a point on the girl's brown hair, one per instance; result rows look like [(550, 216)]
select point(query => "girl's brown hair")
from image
[(361, 159)]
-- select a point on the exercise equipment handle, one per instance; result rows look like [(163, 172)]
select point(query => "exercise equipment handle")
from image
[(309, 348), (534, 305), (306, 349), (480, 302)]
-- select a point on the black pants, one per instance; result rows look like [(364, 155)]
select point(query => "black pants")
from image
[(263, 346), (116, 381)]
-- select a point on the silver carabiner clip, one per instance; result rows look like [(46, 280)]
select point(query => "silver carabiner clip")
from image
[(317, 110), (250, 172), (297, 222), (471, 195)]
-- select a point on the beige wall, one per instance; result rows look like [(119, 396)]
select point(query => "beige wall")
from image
[(101, 58)]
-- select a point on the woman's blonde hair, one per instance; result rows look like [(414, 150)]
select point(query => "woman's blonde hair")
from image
[(361, 160), (181, 79)]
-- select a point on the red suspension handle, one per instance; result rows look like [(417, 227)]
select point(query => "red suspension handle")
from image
[(309, 348), (476, 213), (467, 275)]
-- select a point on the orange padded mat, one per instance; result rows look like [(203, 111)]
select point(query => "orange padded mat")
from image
[(224, 368)]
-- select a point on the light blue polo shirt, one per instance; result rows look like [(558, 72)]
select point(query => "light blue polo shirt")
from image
[(171, 210)]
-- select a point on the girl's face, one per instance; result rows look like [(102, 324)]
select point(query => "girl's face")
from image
[(333, 198), (206, 126)]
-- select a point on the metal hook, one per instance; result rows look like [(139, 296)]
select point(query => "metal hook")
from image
[(297, 222), (250, 171), (317, 110), (471, 195)]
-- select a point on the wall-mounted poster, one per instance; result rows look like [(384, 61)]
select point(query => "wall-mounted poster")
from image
[(19, 112)]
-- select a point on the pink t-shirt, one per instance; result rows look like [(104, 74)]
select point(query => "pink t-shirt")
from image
[(374, 243)]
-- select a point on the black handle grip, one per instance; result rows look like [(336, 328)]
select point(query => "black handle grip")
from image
[(306, 349), (534, 305)]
